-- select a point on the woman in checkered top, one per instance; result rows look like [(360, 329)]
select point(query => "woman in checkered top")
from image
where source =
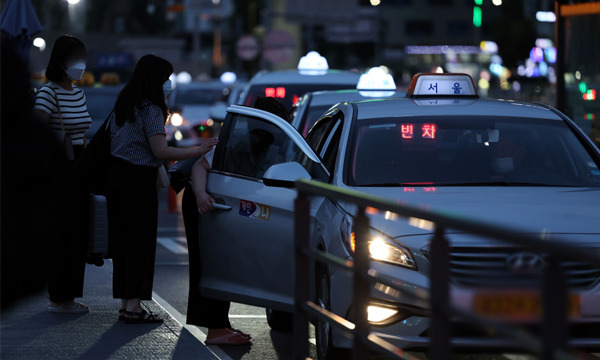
[(138, 148)]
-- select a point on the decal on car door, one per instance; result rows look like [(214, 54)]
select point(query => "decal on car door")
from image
[(255, 210)]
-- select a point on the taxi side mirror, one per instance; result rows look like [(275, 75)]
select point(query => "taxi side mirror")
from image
[(285, 174)]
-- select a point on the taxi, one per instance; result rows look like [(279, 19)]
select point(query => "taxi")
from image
[(374, 84), (288, 86), (440, 147)]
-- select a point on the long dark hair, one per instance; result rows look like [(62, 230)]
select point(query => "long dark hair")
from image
[(146, 84), (66, 47)]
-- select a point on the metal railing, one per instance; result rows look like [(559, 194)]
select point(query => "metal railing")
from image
[(554, 334)]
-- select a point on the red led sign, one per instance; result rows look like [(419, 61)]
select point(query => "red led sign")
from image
[(407, 131), (278, 92), (427, 131)]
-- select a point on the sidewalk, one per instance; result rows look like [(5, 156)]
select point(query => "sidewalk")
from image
[(28, 331)]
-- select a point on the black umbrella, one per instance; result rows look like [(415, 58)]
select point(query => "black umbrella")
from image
[(19, 25)]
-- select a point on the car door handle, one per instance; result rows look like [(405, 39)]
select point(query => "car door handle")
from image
[(223, 207)]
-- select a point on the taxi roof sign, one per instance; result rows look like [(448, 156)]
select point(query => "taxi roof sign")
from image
[(313, 64), (376, 79), (445, 84)]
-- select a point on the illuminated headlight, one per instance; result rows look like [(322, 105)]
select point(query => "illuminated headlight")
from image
[(381, 250), (377, 314), (176, 119), (178, 135)]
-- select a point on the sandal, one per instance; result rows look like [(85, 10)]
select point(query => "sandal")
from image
[(69, 307), (122, 314), (232, 338), (240, 332), (141, 317)]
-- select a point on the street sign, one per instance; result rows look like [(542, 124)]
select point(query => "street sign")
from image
[(247, 47), (278, 46)]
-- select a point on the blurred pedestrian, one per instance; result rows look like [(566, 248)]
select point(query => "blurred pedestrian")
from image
[(63, 106), (33, 186), (204, 311), (138, 149)]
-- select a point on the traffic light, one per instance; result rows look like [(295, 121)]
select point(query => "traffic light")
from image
[(477, 13)]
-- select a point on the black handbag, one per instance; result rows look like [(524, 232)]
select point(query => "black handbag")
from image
[(91, 168), (180, 174)]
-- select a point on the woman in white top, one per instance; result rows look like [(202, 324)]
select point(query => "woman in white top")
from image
[(63, 106)]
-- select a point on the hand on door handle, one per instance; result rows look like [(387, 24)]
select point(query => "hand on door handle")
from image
[(223, 207)]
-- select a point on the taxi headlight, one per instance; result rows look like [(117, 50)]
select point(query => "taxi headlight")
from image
[(176, 119), (376, 314), (381, 248), (396, 254), (178, 135)]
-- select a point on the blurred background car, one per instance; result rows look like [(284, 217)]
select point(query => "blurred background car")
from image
[(288, 86), (374, 84), (190, 106)]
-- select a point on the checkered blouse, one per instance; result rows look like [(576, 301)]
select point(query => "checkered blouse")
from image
[(130, 141)]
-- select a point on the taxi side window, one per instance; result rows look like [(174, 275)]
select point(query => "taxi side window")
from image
[(320, 134), (253, 145), (330, 154), (324, 138), (317, 134)]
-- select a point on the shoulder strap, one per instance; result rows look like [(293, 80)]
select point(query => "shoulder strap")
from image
[(62, 125)]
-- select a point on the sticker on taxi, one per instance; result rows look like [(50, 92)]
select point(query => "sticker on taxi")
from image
[(255, 210)]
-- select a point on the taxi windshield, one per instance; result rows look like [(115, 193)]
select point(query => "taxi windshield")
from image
[(469, 151), (289, 94)]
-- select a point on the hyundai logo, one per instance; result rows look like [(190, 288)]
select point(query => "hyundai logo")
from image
[(525, 263)]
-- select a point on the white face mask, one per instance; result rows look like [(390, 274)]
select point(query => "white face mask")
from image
[(167, 88), (76, 70), (503, 165)]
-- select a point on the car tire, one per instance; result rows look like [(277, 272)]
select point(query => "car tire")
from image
[(323, 331), (280, 320)]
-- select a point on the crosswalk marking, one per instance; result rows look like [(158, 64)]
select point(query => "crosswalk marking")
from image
[(173, 244)]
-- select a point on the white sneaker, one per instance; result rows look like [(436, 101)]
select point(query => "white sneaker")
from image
[(70, 307)]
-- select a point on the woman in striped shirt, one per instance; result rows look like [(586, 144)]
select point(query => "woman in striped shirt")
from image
[(63, 106)]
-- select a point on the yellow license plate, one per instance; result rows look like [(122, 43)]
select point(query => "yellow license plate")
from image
[(517, 305)]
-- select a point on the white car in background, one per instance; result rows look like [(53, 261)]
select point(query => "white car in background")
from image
[(312, 74)]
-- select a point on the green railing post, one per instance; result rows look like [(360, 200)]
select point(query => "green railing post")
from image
[(361, 287), (555, 331), (301, 276), (440, 297)]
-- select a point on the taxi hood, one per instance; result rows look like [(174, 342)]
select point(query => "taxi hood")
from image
[(556, 210)]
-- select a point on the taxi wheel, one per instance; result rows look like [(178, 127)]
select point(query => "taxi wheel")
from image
[(280, 320), (323, 331)]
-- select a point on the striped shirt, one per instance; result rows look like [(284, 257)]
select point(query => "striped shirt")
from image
[(130, 141), (72, 106)]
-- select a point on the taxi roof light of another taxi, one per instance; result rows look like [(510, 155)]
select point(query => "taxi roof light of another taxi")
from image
[(442, 85), (376, 83), (313, 64)]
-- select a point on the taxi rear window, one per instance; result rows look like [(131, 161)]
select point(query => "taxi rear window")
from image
[(289, 94), (468, 151)]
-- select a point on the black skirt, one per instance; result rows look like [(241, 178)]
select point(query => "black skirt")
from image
[(132, 201)]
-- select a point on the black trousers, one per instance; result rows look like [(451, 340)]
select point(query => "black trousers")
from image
[(132, 201), (202, 311), (69, 245)]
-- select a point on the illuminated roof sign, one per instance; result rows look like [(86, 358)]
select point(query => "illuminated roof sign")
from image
[(454, 85)]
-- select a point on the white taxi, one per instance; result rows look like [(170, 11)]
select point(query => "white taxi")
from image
[(441, 147), (288, 86), (374, 84)]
